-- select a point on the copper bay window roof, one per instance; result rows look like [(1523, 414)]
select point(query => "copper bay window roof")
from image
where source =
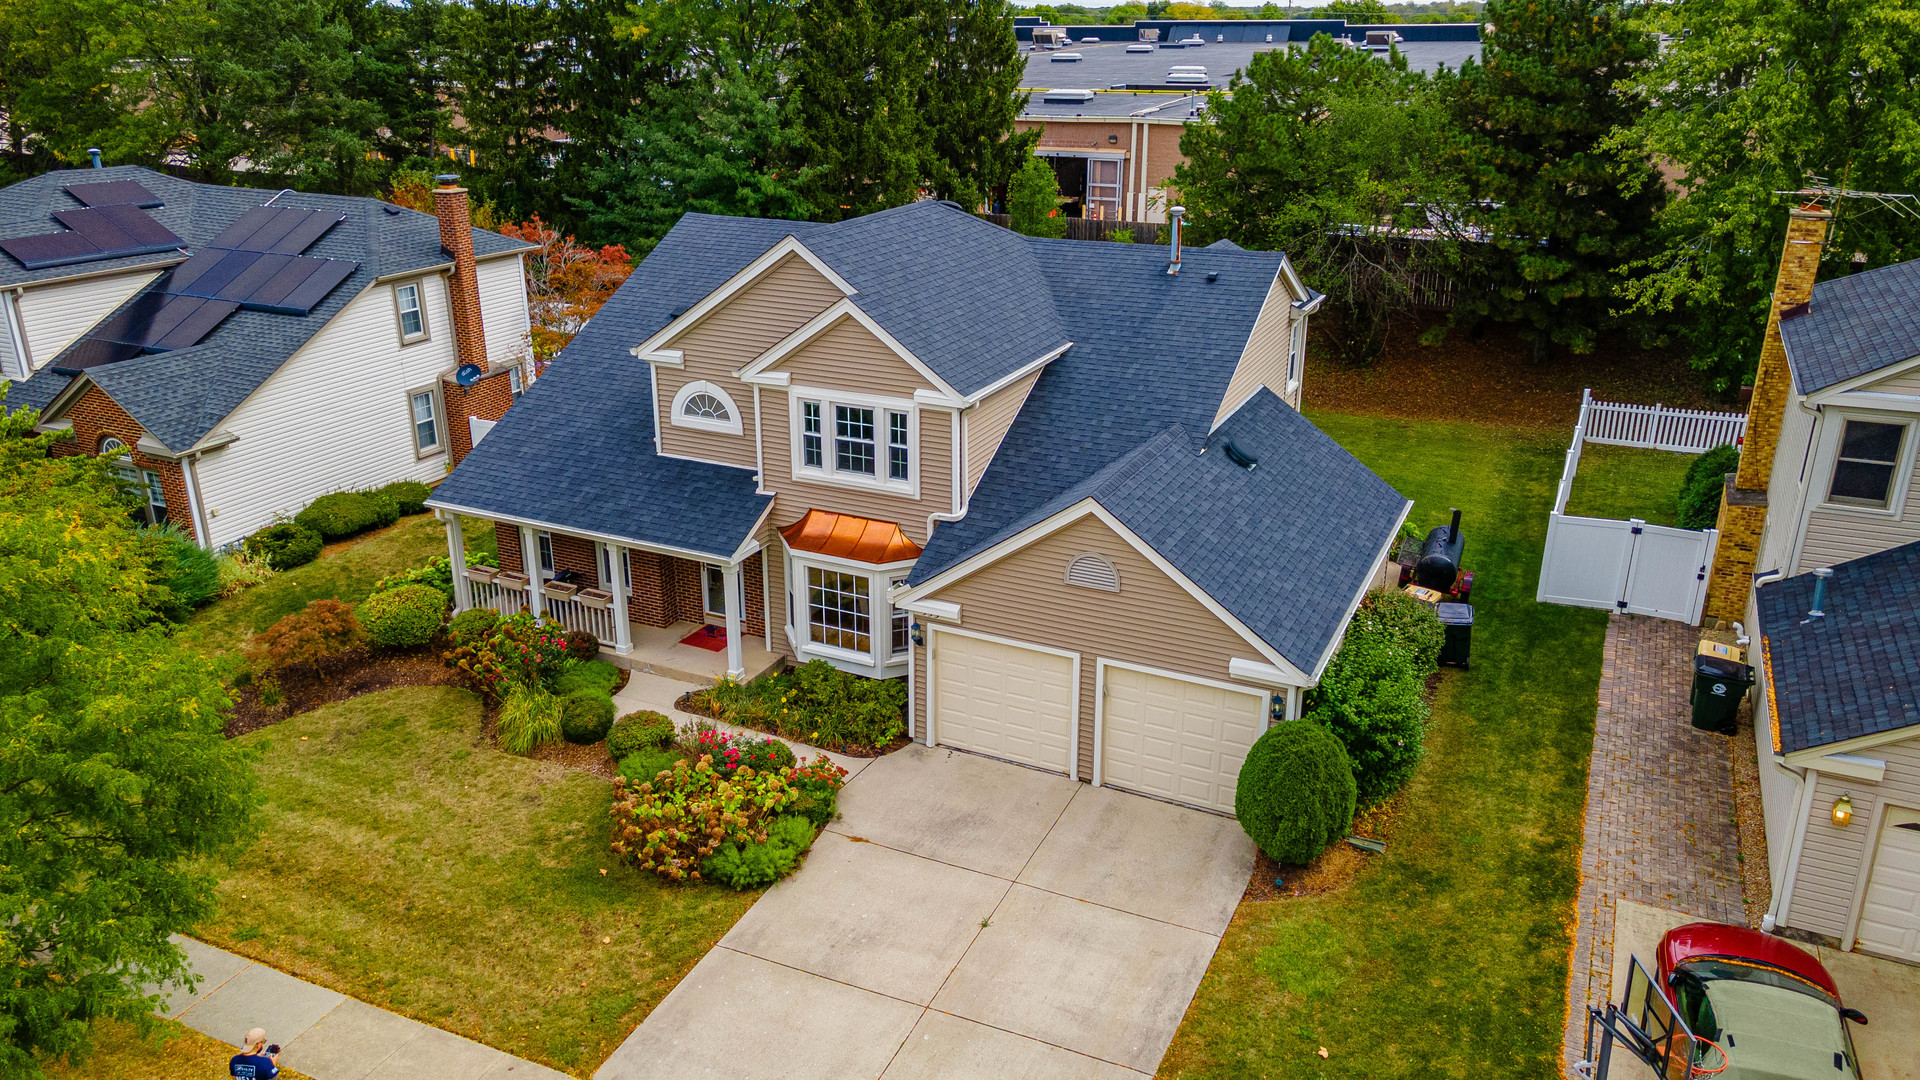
[(847, 537)]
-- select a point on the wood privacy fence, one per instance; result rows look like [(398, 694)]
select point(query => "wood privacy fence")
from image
[(1655, 427), (1144, 232)]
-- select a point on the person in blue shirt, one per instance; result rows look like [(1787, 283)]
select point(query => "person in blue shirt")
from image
[(256, 1060)]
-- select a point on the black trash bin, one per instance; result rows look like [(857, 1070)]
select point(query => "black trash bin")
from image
[(1457, 648), (1719, 682)]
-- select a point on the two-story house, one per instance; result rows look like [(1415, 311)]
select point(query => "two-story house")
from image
[(1060, 488), (253, 350), (1820, 556)]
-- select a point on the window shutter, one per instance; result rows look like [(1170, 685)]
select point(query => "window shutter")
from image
[(1093, 572)]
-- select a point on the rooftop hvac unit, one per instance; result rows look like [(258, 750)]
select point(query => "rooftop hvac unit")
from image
[(1187, 78), (1066, 58), (1201, 68), (1068, 97), (1140, 47)]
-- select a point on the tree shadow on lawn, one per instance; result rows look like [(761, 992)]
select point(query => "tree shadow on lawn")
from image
[(405, 862)]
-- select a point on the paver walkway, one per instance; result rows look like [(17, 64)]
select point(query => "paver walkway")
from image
[(1659, 820), (962, 918), (326, 1034)]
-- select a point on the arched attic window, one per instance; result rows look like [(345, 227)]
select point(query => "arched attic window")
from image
[(706, 407), (1090, 571)]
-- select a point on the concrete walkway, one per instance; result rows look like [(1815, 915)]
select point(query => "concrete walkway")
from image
[(325, 1034), (1659, 828), (962, 918)]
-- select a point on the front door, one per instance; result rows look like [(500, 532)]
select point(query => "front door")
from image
[(716, 590)]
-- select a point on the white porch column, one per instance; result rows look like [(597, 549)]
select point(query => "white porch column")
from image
[(736, 648), (457, 555), (530, 565), (622, 624)]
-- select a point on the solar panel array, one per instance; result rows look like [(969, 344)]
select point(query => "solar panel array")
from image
[(255, 263), (113, 223)]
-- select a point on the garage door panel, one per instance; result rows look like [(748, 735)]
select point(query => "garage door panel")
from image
[(1175, 738), (1003, 700), (1890, 914)]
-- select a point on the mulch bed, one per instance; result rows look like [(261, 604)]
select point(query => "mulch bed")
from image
[(1334, 870), (1492, 379), (686, 704), (359, 671)]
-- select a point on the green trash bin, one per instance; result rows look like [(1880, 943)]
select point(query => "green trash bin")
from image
[(1718, 685), (1457, 646)]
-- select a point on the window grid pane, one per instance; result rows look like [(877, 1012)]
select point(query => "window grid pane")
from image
[(896, 446), (853, 439), (426, 432), (410, 324), (837, 610), (810, 433), (901, 621), (706, 407), (1869, 455)]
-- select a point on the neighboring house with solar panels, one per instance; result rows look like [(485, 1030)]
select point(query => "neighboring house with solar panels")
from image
[(1820, 558), (253, 350), (1060, 490)]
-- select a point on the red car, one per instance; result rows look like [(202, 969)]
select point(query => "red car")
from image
[(1768, 1008)]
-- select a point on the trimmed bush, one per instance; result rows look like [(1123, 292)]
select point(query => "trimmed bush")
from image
[(188, 572), (308, 638), (581, 645), (1698, 503), (1370, 698), (638, 731), (529, 717), (586, 716), (285, 545), (1296, 792), (344, 513), (471, 626), (404, 617), (591, 675), (645, 765), (1404, 623), (409, 496), (750, 865)]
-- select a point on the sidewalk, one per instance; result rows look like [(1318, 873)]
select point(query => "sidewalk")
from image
[(325, 1034)]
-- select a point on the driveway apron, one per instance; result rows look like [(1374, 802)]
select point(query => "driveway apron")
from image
[(962, 918)]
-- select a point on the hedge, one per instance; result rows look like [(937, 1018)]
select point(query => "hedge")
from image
[(284, 546), (410, 496), (345, 513), (1698, 503), (404, 617)]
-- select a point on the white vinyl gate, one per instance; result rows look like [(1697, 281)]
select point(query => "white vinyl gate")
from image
[(1628, 566)]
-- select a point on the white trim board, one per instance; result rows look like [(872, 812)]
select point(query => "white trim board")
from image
[(744, 277), (845, 308)]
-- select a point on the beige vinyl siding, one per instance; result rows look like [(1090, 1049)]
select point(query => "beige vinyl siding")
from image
[(1830, 877), (503, 309), (1263, 362), (777, 304), (1836, 534), (1907, 382), (846, 356), (1150, 621), (983, 426), (53, 316), (292, 428), (793, 498)]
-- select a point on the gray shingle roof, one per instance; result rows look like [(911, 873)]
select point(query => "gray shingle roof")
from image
[(182, 395), (1855, 325), (1855, 672)]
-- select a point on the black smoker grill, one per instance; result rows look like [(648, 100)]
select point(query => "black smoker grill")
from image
[(1439, 565)]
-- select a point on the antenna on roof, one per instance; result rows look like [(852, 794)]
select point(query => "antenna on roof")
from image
[(1821, 193)]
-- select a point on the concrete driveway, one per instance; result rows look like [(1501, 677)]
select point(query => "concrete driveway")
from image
[(962, 918)]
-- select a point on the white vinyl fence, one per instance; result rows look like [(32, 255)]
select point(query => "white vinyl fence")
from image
[(1632, 566)]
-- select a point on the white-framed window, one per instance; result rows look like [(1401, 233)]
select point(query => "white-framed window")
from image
[(854, 439), (901, 625), (145, 484), (423, 407), (515, 383), (714, 590), (705, 407), (839, 610), (1867, 463), (1103, 189), (1297, 358), (543, 541), (410, 308)]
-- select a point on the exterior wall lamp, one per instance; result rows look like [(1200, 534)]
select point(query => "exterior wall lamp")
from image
[(1843, 811), (914, 632)]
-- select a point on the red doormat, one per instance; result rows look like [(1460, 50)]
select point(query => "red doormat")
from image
[(710, 638)]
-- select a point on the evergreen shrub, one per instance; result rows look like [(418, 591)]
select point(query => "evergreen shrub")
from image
[(586, 715), (404, 617), (285, 545), (1296, 792)]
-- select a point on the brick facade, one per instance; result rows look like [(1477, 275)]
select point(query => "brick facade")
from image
[(666, 590), (488, 399), (97, 417), (463, 285), (507, 538), (1743, 509)]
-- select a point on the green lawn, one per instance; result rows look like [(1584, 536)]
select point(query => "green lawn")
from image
[(405, 862), (344, 571), (1448, 955), (171, 1051), (1626, 482)]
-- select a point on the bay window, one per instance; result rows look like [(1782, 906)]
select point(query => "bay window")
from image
[(839, 611)]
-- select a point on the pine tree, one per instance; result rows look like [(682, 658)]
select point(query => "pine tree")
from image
[(970, 97), (857, 80), (1561, 213)]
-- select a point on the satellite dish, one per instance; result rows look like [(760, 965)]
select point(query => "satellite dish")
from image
[(468, 374)]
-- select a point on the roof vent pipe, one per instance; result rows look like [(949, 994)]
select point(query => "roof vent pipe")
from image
[(1173, 232), (1820, 576), (94, 153)]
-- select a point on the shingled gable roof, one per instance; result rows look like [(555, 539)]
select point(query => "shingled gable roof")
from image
[(180, 396), (1854, 672), (1853, 326), (1285, 546)]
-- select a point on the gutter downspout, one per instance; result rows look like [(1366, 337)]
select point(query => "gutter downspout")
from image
[(202, 528), (10, 313)]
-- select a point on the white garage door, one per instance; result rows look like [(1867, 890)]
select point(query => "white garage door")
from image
[(1011, 702), (1890, 917), (1176, 738)]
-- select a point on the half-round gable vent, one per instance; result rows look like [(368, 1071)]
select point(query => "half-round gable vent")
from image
[(1093, 572)]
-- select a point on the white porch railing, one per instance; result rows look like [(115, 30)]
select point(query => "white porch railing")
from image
[(487, 594), (575, 615), (1656, 427)]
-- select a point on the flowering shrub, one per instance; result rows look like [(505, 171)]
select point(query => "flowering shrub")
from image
[(815, 703), (819, 782), (517, 651), (731, 752), (670, 826)]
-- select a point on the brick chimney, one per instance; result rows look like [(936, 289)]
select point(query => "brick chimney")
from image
[(1743, 504), (463, 289)]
